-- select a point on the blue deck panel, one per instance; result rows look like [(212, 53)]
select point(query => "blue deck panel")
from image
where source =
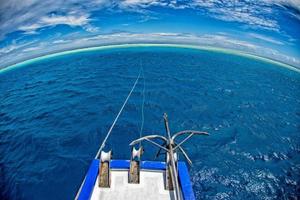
[(125, 164), (153, 165), (119, 164), (91, 177)]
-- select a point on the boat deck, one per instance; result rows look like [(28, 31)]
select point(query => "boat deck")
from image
[(151, 184), (151, 187)]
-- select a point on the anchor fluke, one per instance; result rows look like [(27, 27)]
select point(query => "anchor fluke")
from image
[(150, 138)]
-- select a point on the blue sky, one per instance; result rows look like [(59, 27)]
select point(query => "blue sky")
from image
[(30, 28)]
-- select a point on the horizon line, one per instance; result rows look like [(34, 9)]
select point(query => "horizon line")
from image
[(130, 45)]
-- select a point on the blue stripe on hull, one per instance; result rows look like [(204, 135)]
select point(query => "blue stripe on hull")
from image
[(185, 182), (89, 181)]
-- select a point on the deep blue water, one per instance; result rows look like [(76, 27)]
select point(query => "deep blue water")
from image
[(54, 114)]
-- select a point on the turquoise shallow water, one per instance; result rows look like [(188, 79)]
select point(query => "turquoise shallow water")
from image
[(54, 114)]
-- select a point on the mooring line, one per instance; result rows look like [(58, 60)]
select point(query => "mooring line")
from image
[(111, 128), (143, 103), (117, 117)]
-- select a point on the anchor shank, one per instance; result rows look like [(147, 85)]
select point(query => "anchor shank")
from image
[(172, 163)]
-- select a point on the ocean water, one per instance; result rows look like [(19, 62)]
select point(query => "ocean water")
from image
[(55, 112)]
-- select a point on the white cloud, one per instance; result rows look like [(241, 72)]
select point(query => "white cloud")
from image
[(265, 38), (53, 20), (31, 49), (292, 3), (29, 15), (61, 41), (72, 20), (141, 3), (254, 14), (14, 46)]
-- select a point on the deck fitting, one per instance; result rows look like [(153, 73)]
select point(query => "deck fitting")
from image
[(104, 170)]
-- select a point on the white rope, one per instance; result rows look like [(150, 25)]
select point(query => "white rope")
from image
[(143, 105), (108, 133), (117, 117)]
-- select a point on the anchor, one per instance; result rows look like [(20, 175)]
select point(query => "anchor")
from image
[(171, 149)]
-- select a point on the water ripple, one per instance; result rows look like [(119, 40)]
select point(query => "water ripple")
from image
[(54, 114)]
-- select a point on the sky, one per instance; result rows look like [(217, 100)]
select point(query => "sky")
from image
[(267, 28)]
